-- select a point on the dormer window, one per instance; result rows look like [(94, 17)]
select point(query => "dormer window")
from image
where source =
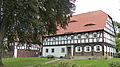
[(72, 21), (89, 24)]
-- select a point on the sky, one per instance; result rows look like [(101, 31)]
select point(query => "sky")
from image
[(111, 7)]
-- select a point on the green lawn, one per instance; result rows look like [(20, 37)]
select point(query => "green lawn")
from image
[(94, 63), (21, 62), (83, 63), (37, 62)]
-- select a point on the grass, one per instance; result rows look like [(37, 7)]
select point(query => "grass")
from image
[(21, 62), (37, 62), (52, 64), (83, 63), (94, 63)]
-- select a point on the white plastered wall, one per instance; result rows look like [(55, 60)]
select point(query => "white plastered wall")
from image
[(57, 51)]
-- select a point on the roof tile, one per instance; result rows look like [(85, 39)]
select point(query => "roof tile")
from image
[(96, 17)]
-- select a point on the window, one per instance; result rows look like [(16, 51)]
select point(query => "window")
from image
[(69, 37), (87, 48), (46, 39), (46, 50), (72, 21), (79, 36), (75, 36), (54, 39), (82, 36), (60, 38), (89, 24), (95, 35), (72, 37), (97, 48), (65, 37), (86, 35), (78, 49), (62, 50), (52, 50)]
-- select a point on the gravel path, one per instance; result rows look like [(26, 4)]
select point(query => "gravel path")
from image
[(45, 62), (51, 61)]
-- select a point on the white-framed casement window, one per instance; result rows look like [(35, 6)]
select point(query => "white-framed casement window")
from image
[(46, 50), (52, 50), (78, 49), (97, 48), (87, 48), (62, 50)]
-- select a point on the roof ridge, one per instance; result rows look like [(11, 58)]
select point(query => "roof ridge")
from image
[(90, 12)]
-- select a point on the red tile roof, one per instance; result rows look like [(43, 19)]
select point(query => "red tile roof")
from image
[(96, 17)]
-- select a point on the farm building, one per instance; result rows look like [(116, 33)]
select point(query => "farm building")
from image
[(87, 35)]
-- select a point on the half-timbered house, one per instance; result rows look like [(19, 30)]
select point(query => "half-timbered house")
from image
[(87, 35)]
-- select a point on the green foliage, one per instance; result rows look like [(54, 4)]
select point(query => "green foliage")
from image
[(117, 55), (117, 24), (117, 37), (27, 19), (114, 64), (118, 44)]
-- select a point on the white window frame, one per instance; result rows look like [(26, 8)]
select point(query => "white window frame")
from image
[(76, 49), (94, 34), (86, 35), (46, 51), (85, 49), (62, 50), (52, 50), (95, 48), (79, 35)]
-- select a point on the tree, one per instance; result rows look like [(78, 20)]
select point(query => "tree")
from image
[(30, 15), (117, 36)]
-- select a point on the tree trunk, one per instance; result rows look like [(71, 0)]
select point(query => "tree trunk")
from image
[(1, 64), (3, 31), (1, 38)]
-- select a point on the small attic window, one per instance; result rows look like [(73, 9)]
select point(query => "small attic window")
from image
[(72, 21), (89, 24)]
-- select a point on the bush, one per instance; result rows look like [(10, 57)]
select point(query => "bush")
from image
[(114, 64), (61, 57), (50, 56), (117, 55)]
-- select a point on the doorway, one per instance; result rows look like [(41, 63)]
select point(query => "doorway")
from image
[(69, 51)]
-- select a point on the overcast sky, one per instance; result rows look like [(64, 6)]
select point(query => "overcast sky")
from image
[(111, 7)]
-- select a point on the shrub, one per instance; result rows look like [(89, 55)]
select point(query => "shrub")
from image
[(50, 56), (114, 64), (117, 55), (61, 57)]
